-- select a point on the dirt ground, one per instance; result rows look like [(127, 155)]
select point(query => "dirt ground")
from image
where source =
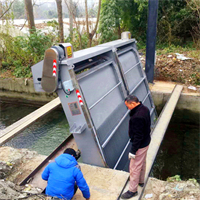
[(169, 67), (16, 164), (172, 190)]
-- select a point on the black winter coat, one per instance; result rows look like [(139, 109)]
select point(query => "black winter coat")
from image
[(139, 127)]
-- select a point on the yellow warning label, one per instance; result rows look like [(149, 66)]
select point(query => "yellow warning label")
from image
[(69, 52), (129, 35)]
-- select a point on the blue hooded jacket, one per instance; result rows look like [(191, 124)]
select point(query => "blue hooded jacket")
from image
[(62, 175)]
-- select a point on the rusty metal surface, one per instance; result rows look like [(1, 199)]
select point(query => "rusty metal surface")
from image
[(34, 178)]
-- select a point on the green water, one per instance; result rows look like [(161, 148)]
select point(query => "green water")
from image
[(178, 154), (42, 136)]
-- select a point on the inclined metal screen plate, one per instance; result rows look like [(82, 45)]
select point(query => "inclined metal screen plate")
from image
[(135, 78), (113, 70), (131, 69), (102, 91), (103, 81), (111, 122), (105, 101), (117, 143)]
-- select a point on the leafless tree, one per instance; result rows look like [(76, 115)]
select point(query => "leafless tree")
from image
[(30, 16), (72, 11), (71, 18), (2, 11), (60, 20), (92, 33)]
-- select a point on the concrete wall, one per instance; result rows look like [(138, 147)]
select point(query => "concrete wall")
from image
[(187, 101), (22, 91)]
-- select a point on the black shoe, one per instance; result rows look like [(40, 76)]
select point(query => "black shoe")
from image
[(129, 194), (141, 184)]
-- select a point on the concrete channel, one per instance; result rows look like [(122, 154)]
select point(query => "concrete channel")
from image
[(160, 91), (22, 91)]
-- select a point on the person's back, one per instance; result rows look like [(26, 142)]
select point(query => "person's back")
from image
[(140, 114), (62, 175)]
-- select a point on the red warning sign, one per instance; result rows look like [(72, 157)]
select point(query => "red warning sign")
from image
[(79, 97), (54, 67)]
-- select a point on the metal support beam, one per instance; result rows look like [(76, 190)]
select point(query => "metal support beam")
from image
[(158, 134), (151, 39)]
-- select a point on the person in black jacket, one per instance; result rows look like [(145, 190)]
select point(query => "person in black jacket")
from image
[(139, 134)]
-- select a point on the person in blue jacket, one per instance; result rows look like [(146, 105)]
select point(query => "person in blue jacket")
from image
[(63, 175)]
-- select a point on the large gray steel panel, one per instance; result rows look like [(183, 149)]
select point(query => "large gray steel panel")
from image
[(124, 162), (106, 105), (113, 71), (141, 91), (99, 86), (117, 143), (103, 80), (132, 75), (111, 122)]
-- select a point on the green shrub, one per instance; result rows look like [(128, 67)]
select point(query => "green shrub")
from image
[(78, 41), (20, 53)]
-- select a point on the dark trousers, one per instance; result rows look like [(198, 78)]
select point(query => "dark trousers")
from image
[(75, 188), (56, 198)]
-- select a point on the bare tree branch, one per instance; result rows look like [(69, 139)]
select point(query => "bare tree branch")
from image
[(7, 9), (24, 16), (72, 9), (23, 25), (193, 5), (98, 15), (92, 33), (30, 15), (60, 20), (86, 17)]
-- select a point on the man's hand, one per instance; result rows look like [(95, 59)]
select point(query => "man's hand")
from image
[(88, 199), (130, 155)]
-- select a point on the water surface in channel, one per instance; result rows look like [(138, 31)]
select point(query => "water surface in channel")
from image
[(178, 154), (42, 136)]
